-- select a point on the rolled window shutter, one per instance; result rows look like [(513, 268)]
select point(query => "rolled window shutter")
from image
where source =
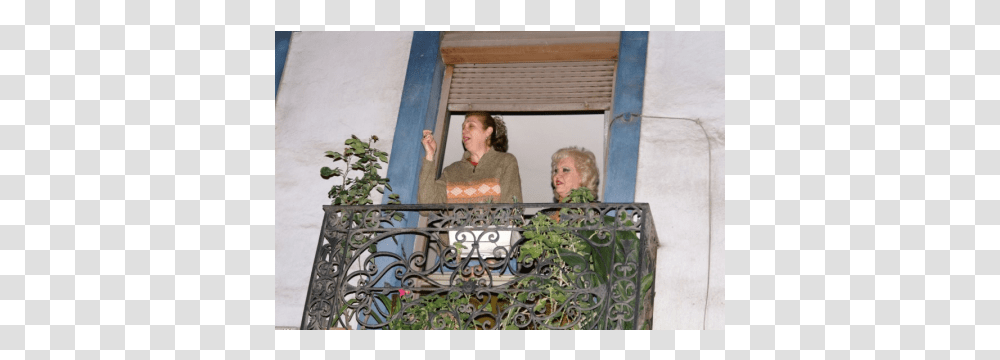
[(527, 87)]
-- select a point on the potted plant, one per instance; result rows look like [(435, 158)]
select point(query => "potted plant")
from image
[(550, 241), (550, 238), (358, 156), (357, 167)]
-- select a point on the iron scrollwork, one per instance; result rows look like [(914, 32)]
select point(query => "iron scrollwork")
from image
[(460, 269)]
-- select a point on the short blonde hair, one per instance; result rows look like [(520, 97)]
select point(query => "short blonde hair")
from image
[(586, 164)]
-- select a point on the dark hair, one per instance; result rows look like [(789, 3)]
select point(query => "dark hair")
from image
[(498, 140)]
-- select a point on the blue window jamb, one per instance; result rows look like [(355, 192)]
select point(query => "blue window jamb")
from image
[(282, 40), (623, 143), (418, 109)]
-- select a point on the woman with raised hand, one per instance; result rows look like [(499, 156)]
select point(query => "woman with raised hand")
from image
[(486, 173)]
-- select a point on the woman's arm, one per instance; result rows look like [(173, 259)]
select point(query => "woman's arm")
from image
[(431, 190)]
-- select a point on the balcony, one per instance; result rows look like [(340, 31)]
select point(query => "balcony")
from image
[(483, 267)]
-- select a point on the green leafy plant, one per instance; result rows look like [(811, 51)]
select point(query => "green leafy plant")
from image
[(548, 237), (358, 167), (434, 311), (359, 156), (392, 305)]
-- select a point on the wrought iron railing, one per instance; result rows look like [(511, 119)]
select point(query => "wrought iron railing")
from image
[(484, 266)]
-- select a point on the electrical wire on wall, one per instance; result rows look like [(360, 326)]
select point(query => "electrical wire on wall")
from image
[(708, 143)]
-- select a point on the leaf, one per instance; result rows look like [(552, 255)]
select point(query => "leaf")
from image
[(540, 306), (551, 241), (619, 250), (349, 303), (531, 252), (356, 146), (373, 249), (573, 259), (384, 299), (379, 189), (559, 296), (326, 172), (647, 283)]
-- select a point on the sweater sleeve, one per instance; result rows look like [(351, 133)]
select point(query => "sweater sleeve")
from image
[(510, 182), (431, 190)]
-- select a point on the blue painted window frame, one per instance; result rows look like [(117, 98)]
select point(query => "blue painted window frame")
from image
[(623, 142), (419, 107), (422, 92)]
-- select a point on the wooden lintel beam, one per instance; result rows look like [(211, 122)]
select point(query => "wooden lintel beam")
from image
[(543, 53)]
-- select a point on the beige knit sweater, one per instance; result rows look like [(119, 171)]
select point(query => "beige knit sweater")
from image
[(495, 179)]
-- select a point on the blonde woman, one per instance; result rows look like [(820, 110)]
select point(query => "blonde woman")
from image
[(572, 168)]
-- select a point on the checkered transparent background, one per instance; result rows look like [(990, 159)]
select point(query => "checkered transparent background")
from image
[(137, 186)]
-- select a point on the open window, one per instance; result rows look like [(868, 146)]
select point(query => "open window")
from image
[(533, 140), (554, 89)]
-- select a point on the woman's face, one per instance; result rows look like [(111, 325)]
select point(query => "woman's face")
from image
[(565, 177), (474, 136)]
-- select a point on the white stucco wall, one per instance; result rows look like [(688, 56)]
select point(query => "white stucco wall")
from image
[(685, 78), (335, 84)]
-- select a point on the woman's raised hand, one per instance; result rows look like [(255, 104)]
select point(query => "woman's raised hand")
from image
[(430, 146)]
